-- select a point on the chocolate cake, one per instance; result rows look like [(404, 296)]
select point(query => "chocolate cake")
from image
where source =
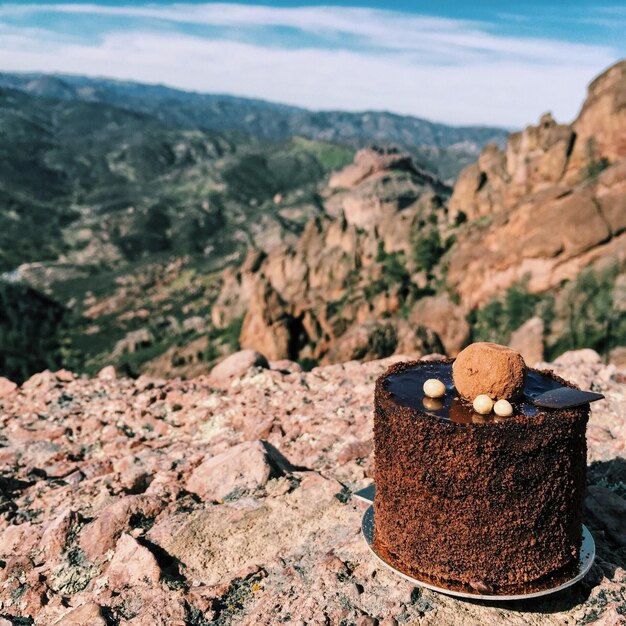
[(477, 499)]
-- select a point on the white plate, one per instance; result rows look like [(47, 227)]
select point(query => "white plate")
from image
[(587, 555)]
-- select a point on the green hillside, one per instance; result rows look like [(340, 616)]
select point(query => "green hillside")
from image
[(94, 197), (444, 149)]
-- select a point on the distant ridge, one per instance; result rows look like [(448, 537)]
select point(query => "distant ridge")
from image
[(267, 120)]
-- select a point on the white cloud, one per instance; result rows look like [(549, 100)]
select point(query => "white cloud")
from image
[(447, 70), (383, 28)]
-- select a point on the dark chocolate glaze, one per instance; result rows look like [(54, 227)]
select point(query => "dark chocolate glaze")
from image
[(406, 387)]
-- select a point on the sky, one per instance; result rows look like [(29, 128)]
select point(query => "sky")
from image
[(479, 62)]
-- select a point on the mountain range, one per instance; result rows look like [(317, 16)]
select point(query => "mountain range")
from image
[(443, 148)]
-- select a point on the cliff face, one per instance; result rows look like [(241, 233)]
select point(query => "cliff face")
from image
[(552, 203), (300, 300), (228, 500)]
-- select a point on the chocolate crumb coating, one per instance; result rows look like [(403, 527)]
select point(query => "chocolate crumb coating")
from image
[(489, 368), (496, 501)]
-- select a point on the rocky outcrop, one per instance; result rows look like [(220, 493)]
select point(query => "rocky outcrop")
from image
[(368, 163), (600, 127), (445, 318), (538, 212), (328, 296), (156, 503), (379, 183), (545, 155), (529, 340), (550, 204), (533, 159), (547, 239), (244, 467)]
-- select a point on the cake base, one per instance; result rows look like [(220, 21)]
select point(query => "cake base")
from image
[(544, 586)]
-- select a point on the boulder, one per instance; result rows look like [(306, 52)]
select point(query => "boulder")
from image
[(237, 364), (443, 317), (528, 340), (107, 373), (366, 341), (55, 537), (242, 468)]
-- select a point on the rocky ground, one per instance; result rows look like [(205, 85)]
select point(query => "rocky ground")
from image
[(227, 499)]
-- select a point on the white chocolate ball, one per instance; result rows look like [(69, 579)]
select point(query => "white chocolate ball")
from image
[(503, 408), (434, 388), (483, 404)]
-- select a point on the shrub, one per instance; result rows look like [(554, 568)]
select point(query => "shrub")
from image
[(232, 332), (593, 316), (394, 267), (595, 165), (497, 320), (30, 332), (427, 250), (307, 364), (383, 340), (594, 168), (394, 270)]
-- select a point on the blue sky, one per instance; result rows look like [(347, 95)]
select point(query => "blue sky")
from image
[(456, 62)]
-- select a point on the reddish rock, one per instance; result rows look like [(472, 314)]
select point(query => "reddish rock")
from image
[(18, 539), (442, 316), (7, 387), (56, 534), (107, 373), (150, 606), (528, 340), (238, 364), (244, 467), (266, 325), (132, 564), (285, 365), (101, 535), (548, 206), (89, 614), (355, 450), (367, 341), (369, 162), (291, 550)]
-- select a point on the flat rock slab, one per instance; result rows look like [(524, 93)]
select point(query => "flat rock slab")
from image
[(144, 502)]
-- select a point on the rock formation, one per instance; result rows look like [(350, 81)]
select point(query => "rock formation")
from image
[(551, 204), (153, 503), (300, 299), (391, 247)]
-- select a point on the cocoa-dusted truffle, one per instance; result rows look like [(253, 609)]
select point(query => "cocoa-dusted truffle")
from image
[(490, 369)]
